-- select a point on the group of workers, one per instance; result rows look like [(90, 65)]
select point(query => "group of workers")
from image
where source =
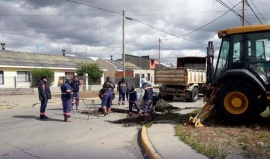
[(70, 96), (106, 95)]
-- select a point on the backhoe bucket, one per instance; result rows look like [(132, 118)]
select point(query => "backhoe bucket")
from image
[(206, 110)]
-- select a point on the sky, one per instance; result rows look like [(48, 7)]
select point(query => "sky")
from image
[(94, 28)]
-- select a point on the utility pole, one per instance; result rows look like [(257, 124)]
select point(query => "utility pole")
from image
[(243, 13), (159, 53), (85, 59), (123, 45), (86, 74)]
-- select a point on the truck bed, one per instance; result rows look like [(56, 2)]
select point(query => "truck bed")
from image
[(180, 76)]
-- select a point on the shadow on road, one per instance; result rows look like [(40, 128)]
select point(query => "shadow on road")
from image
[(54, 109), (36, 117), (181, 99)]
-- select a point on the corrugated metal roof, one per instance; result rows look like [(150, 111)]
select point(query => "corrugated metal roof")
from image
[(14, 58), (119, 65)]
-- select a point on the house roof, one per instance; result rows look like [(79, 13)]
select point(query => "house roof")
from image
[(162, 67), (119, 65), (15, 58), (142, 57)]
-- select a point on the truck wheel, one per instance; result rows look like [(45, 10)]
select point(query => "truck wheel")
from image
[(237, 102), (193, 95), (168, 97)]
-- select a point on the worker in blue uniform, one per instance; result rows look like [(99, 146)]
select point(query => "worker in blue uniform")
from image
[(106, 97), (66, 97), (44, 95), (122, 89), (146, 97), (76, 84), (111, 85)]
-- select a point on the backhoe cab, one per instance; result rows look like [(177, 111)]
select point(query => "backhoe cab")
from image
[(239, 85)]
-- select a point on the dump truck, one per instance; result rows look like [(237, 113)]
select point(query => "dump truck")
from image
[(187, 80), (238, 87)]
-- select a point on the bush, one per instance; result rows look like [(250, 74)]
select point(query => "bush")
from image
[(39, 72), (93, 70)]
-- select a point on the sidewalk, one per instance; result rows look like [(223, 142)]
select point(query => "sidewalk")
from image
[(164, 144)]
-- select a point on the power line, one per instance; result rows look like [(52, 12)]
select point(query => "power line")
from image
[(137, 21), (235, 12), (167, 32), (60, 15), (95, 7), (210, 22), (258, 11), (262, 2), (253, 12)]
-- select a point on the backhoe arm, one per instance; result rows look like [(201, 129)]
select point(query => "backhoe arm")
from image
[(205, 111)]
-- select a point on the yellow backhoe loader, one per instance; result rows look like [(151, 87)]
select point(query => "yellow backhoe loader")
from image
[(238, 87)]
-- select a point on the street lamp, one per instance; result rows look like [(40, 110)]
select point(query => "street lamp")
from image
[(123, 43)]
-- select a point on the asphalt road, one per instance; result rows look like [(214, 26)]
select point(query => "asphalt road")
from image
[(23, 135)]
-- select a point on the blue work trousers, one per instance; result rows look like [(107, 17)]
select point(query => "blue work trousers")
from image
[(121, 97), (147, 104), (67, 106), (76, 96), (43, 106), (131, 103)]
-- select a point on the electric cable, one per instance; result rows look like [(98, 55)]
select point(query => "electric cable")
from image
[(211, 21), (259, 12)]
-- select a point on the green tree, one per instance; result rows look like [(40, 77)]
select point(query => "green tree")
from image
[(39, 72), (93, 70)]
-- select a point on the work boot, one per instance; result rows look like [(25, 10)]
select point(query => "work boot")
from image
[(68, 119), (105, 111), (130, 113), (43, 117)]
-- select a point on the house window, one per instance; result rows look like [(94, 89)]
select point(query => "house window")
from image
[(23, 76), (1, 77), (148, 76), (69, 74)]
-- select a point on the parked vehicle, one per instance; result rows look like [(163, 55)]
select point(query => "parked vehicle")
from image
[(187, 80)]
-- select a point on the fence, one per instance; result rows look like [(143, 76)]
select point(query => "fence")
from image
[(132, 81), (31, 82)]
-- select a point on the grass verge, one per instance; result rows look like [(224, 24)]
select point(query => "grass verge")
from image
[(220, 140)]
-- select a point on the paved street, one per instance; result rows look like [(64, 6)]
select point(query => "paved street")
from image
[(23, 135)]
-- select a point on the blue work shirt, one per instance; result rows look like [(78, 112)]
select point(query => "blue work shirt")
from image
[(64, 87)]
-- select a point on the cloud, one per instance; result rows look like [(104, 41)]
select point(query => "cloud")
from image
[(87, 31)]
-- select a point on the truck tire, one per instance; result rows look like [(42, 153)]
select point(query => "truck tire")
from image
[(168, 97), (237, 102), (193, 95)]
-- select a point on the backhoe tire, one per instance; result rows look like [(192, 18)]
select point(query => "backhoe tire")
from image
[(237, 102), (193, 95), (168, 97)]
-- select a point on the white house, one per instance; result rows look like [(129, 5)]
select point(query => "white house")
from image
[(15, 67)]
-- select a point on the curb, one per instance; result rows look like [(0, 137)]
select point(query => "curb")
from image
[(148, 147)]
